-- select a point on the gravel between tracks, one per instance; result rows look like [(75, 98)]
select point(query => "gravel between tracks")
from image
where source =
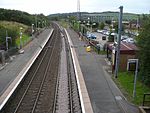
[(68, 98)]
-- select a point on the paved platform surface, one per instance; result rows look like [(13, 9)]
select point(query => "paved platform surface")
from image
[(11, 69), (104, 94)]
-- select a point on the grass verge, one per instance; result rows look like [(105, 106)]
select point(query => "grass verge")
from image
[(125, 81), (25, 39)]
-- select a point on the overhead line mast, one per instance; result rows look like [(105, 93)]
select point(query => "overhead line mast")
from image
[(78, 10)]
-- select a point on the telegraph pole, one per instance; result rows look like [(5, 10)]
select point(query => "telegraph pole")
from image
[(118, 40)]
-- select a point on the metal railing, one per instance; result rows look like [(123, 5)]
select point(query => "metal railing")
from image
[(144, 99)]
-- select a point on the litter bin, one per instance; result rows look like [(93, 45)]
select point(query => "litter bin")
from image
[(88, 48)]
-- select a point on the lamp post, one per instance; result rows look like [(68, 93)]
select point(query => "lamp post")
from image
[(32, 30), (45, 23), (92, 26), (79, 22), (38, 25), (21, 37), (42, 23), (88, 23)]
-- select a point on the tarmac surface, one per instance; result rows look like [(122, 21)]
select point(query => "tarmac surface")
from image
[(103, 92), (10, 70)]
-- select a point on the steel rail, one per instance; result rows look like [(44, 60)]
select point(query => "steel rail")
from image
[(56, 90), (45, 73), (69, 83), (31, 79), (69, 77)]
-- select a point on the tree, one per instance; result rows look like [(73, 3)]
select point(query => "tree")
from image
[(101, 25), (144, 53), (116, 28), (108, 22), (20, 16)]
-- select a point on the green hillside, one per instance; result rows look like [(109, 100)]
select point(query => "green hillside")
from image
[(114, 15), (12, 29), (12, 20), (21, 17)]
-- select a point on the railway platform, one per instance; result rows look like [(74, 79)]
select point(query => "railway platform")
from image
[(12, 72), (104, 95)]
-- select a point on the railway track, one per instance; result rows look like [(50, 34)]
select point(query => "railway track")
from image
[(67, 98), (45, 89)]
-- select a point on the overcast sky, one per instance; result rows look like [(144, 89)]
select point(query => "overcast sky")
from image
[(64, 6)]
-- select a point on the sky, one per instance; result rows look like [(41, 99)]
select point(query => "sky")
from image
[(65, 6)]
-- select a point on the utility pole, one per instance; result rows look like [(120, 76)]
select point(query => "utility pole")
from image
[(78, 10), (118, 40), (79, 14)]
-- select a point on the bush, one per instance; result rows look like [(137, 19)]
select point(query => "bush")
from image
[(11, 32)]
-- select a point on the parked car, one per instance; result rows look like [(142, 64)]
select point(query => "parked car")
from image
[(128, 40), (91, 36), (21, 51), (107, 33), (100, 31), (124, 37)]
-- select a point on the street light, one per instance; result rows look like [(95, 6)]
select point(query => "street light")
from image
[(38, 25), (42, 23), (92, 26), (79, 22), (45, 23), (21, 37), (88, 24), (32, 30)]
